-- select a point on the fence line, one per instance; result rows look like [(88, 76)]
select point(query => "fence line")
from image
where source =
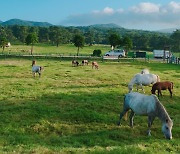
[(172, 60)]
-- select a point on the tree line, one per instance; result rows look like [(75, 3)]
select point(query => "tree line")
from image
[(117, 37)]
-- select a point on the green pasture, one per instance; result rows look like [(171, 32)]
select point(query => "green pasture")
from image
[(64, 49), (76, 109)]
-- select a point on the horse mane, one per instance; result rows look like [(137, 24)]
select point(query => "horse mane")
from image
[(161, 111)]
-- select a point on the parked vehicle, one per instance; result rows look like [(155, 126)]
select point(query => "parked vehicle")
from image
[(117, 52), (160, 53)]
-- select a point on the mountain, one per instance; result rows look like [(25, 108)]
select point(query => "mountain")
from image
[(0, 21), (25, 23), (110, 25)]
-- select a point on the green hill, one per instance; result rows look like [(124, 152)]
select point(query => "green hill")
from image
[(25, 23)]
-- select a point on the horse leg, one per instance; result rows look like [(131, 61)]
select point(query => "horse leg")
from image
[(170, 91), (121, 115), (158, 92), (137, 88), (150, 121), (131, 117), (142, 88)]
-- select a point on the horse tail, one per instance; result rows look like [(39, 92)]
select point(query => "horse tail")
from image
[(172, 85), (126, 114)]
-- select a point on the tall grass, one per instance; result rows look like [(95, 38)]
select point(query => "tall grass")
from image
[(75, 109)]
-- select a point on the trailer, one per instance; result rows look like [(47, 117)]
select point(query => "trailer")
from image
[(161, 53)]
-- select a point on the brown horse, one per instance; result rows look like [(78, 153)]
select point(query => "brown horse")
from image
[(95, 64), (162, 86)]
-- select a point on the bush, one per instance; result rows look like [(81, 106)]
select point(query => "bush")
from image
[(97, 53)]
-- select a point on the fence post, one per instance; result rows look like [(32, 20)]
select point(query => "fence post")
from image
[(102, 59)]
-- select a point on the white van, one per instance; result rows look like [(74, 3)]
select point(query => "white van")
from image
[(116, 52)]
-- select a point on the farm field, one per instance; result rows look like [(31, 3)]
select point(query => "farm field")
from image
[(76, 109)]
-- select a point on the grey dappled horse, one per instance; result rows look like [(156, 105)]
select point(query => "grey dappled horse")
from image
[(141, 104)]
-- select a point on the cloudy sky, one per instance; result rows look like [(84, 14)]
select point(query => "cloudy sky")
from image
[(134, 14)]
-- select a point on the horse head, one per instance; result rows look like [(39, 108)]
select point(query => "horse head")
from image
[(130, 87), (166, 128)]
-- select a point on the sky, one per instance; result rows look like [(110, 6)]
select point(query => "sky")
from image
[(132, 14)]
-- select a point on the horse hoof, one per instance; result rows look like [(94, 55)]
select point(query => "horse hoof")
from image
[(118, 123)]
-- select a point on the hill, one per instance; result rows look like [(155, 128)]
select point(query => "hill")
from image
[(110, 25), (25, 23)]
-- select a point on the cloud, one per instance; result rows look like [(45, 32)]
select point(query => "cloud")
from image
[(145, 15), (108, 10), (145, 8)]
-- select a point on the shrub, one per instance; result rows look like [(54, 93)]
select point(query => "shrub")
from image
[(97, 53)]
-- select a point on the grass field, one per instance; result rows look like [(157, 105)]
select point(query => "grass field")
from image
[(76, 109), (64, 49)]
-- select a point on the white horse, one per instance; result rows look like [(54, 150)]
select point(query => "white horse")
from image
[(143, 80), (145, 71), (141, 104)]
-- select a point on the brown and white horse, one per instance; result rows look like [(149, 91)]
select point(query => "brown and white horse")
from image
[(84, 62), (75, 63), (95, 65)]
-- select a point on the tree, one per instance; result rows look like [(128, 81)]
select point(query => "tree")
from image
[(31, 39), (78, 42), (89, 37), (3, 43), (176, 40), (127, 43), (114, 40)]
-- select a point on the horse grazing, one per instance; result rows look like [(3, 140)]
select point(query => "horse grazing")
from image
[(75, 63), (145, 71), (143, 80), (84, 62), (36, 69), (95, 64), (162, 86), (150, 106)]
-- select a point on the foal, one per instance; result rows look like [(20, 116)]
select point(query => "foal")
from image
[(75, 63), (84, 62), (162, 86), (36, 69), (95, 64)]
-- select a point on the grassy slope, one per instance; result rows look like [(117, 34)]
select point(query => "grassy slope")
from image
[(77, 108)]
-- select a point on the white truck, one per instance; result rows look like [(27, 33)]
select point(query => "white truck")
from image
[(160, 53)]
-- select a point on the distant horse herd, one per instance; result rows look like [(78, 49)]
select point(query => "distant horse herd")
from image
[(138, 103)]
